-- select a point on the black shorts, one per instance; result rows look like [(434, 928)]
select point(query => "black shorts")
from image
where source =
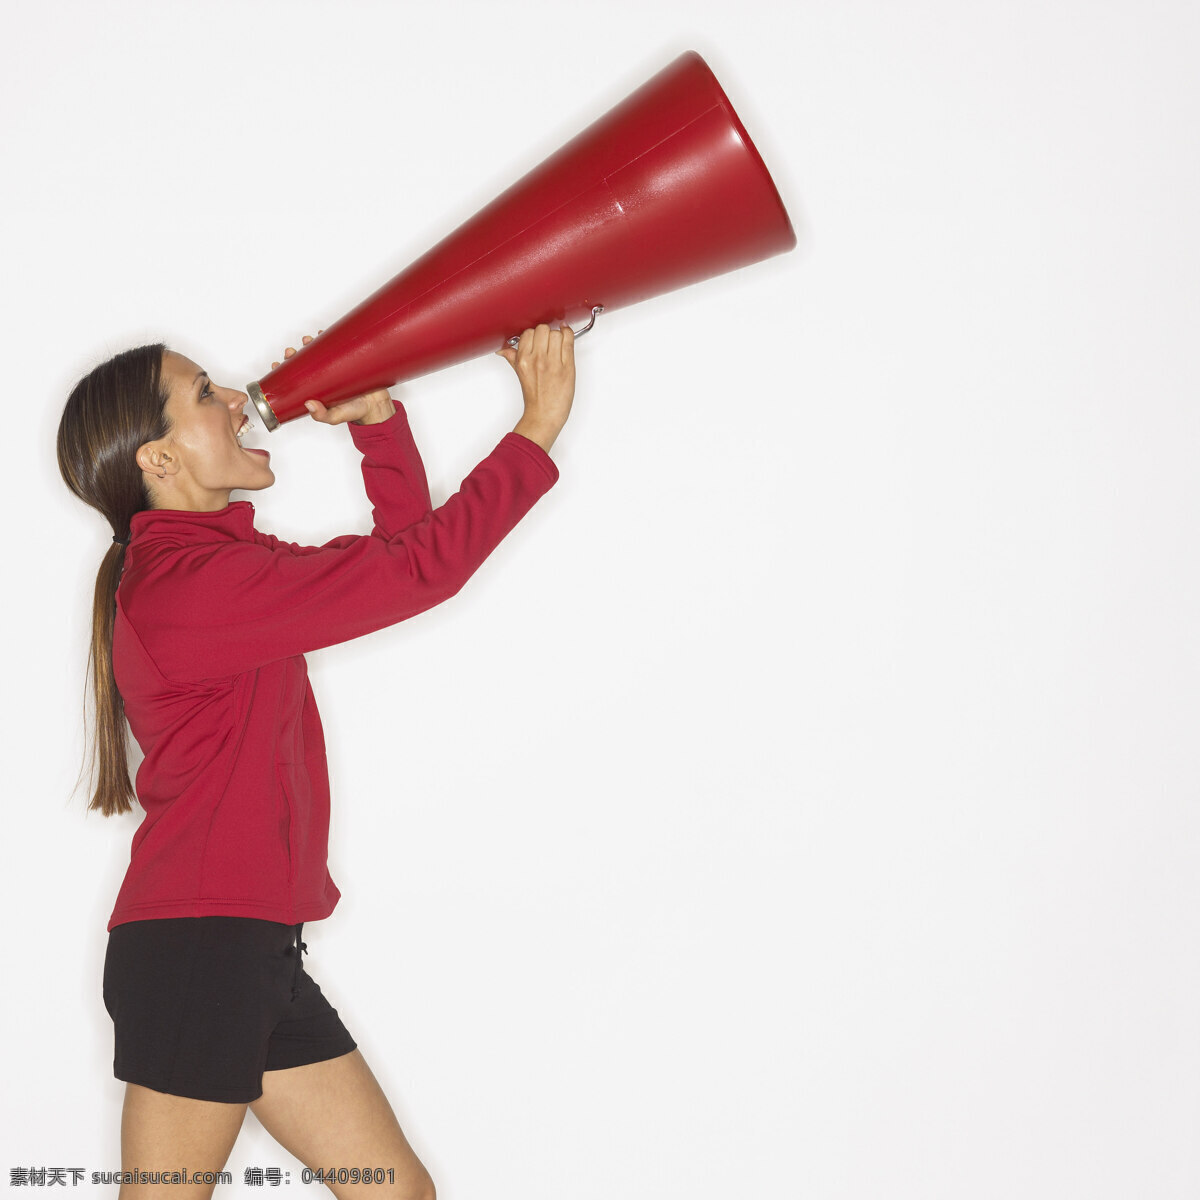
[(202, 1006)]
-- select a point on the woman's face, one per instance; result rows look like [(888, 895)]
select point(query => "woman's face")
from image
[(201, 459)]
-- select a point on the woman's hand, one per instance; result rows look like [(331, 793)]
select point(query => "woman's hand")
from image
[(368, 409), (544, 361)]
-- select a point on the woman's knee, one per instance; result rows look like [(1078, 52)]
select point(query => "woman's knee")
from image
[(409, 1185)]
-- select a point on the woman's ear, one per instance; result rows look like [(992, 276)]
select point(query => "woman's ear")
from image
[(153, 459)]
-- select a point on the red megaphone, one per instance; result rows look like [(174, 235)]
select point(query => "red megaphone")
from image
[(662, 191)]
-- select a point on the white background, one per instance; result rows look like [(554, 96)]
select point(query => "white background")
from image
[(802, 801)]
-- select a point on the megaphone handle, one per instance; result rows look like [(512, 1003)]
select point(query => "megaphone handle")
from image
[(596, 309)]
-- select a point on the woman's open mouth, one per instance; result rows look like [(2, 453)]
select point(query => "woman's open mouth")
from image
[(247, 424)]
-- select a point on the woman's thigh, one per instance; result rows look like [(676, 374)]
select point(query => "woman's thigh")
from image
[(160, 1131), (334, 1114)]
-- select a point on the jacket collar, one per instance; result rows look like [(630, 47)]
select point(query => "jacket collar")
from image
[(234, 522)]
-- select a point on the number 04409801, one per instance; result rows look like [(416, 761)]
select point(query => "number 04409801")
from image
[(328, 1175)]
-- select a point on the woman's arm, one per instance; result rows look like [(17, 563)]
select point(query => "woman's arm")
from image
[(393, 473), (221, 608)]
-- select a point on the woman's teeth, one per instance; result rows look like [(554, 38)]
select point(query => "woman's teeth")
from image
[(248, 424)]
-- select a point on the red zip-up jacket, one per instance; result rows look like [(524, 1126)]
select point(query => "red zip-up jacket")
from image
[(213, 620)]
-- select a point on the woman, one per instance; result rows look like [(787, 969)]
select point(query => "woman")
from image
[(200, 625)]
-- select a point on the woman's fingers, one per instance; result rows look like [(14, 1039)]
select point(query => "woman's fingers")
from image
[(292, 349), (558, 345)]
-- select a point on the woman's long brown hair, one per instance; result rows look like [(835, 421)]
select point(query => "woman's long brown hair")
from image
[(110, 413)]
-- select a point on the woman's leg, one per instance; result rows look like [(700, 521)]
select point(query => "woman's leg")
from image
[(334, 1114), (162, 1132)]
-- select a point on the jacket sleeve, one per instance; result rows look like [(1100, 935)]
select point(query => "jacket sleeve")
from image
[(221, 609), (393, 473)]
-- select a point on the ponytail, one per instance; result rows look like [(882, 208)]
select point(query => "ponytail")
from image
[(110, 413)]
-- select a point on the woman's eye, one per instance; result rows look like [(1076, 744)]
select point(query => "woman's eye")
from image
[(207, 390)]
